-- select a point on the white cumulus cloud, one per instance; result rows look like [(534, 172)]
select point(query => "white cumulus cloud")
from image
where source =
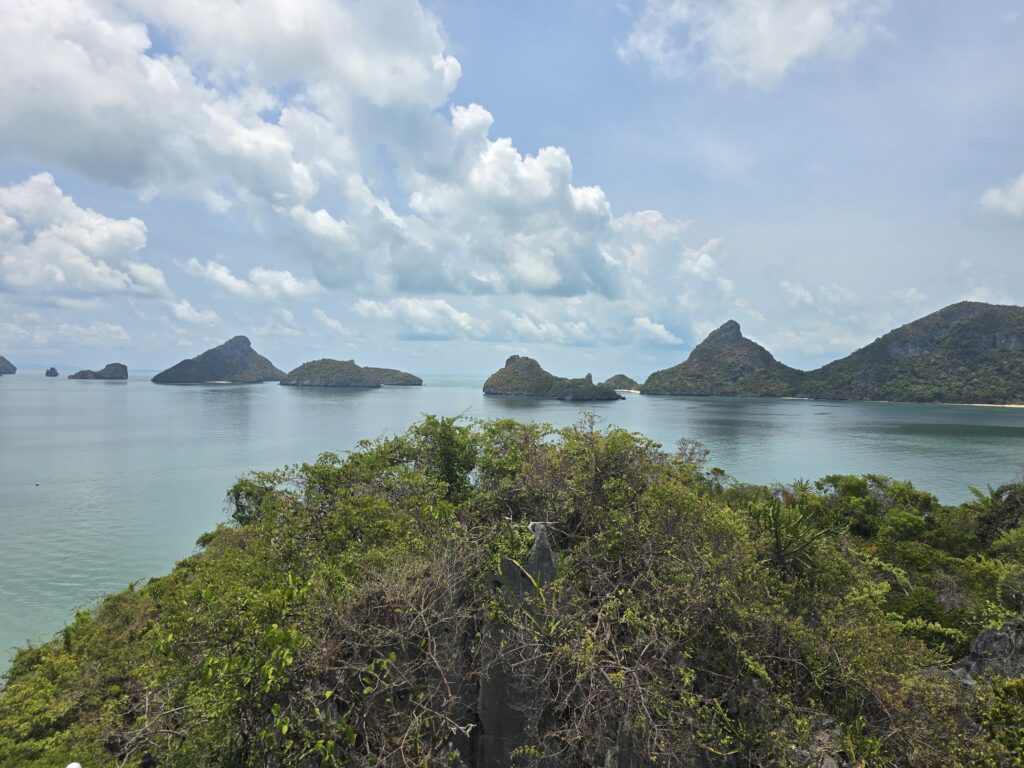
[(755, 42), (262, 283), (646, 327), (51, 246), (1008, 199)]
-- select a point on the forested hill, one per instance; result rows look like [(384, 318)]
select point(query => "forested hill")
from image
[(726, 363), (493, 594), (968, 352), (965, 353)]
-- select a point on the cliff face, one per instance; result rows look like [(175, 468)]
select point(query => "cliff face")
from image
[(6, 367), (234, 362), (968, 352), (524, 376), (726, 363), (110, 372)]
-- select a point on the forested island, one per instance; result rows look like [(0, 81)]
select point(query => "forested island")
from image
[(524, 376), (968, 352), (6, 366), (485, 594), (109, 372), (345, 373), (233, 362)]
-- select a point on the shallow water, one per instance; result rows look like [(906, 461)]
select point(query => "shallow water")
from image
[(104, 483)]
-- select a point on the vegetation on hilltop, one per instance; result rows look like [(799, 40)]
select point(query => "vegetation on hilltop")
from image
[(620, 381), (524, 376), (355, 610)]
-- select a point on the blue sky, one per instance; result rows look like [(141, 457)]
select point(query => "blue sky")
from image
[(437, 185)]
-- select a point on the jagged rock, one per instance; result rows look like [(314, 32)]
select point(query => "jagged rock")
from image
[(233, 362), (524, 376), (505, 702), (109, 372), (994, 652), (51, 373), (345, 373), (6, 367)]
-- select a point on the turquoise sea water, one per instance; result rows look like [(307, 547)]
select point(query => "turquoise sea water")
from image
[(105, 483)]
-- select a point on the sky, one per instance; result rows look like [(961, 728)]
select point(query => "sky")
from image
[(437, 184)]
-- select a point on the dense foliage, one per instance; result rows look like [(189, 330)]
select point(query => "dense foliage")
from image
[(344, 616)]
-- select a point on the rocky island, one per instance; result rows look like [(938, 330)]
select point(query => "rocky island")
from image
[(233, 362), (6, 367), (621, 381), (969, 352), (109, 372), (345, 373), (524, 376), (725, 363), (52, 373)]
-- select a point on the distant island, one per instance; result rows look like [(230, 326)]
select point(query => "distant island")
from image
[(969, 352), (233, 362), (52, 373), (345, 373), (726, 363), (524, 376), (109, 372), (6, 367), (621, 381)]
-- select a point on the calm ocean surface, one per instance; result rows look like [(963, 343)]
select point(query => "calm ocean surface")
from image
[(105, 483)]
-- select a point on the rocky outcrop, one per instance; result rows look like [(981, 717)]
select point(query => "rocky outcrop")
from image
[(233, 362), (52, 373), (345, 373), (621, 381), (506, 703), (726, 363), (6, 367), (994, 652), (109, 372), (524, 376)]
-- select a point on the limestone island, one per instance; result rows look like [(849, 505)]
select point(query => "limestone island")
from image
[(621, 381), (345, 373), (524, 376), (969, 352), (109, 372), (233, 362), (6, 366), (52, 373)]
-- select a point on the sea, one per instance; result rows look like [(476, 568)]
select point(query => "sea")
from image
[(107, 483)]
